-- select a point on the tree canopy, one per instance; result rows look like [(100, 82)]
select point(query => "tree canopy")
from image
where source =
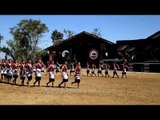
[(96, 31), (26, 36), (56, 36), (69, 33), (1, 38)]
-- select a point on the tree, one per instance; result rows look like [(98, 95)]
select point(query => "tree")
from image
[(14, 50), (40, 53), (56, 36), (69, 33), (26, 36), (1, 38), (7, 51), (96, 31)]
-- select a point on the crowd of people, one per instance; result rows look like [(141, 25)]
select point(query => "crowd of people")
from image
[(11, 70)]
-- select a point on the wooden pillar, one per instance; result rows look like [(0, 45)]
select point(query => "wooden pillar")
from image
[(102, 46), (50, 55)]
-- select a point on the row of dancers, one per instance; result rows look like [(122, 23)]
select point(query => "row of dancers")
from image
[(12, 69), (91, 68)]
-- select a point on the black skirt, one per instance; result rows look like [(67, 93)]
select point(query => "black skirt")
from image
[(38, 78), (65, 80), (29, 77), (77, 80), (52, 80)]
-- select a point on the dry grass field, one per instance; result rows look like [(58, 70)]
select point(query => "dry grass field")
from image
[(137, 89)]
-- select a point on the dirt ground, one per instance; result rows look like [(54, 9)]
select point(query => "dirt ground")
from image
[(137, 89)]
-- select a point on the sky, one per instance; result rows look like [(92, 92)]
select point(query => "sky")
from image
[(112, 27)]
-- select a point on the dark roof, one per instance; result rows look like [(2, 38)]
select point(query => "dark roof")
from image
[(126, 41), (155, 35), (84, 32), (102, 39)]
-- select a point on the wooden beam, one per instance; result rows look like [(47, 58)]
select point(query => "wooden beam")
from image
[(50, 56)]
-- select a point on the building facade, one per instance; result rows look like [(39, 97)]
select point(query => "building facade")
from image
[(83, 47), (143, 54)]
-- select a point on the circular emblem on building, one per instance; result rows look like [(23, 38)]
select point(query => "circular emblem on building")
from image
[(93, 54), (64, 53)]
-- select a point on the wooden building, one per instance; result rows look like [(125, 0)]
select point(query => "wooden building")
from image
[(144, 54), (83, 47)]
